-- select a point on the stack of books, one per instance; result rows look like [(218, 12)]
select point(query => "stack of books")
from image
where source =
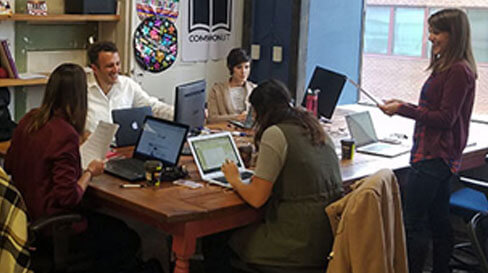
[(7, 61)]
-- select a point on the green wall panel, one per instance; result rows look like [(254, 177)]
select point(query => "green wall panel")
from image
[(20, 102), (47, 37)]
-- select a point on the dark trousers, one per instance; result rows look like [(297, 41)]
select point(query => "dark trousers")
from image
[(427, 213), (110, 244), (219, 257)]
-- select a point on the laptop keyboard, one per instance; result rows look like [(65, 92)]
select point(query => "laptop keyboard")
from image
[(244, 176), (128, 166)]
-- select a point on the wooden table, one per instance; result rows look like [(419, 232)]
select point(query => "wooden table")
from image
[(4, 148), (184, 213), (188, 214), (362, 165)]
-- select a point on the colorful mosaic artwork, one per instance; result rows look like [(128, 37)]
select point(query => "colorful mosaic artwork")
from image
[(155, 44), (161, 8)]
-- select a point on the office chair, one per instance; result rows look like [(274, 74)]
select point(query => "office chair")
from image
[(50, 253), (478, 232), (27, 244), (468, 203)]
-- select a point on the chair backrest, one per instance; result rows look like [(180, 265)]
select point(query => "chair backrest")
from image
[(478, 232), (14, 253), (368, 227), (18, 235)]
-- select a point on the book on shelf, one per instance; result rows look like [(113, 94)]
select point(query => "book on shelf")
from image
[(5, 64), (7, 61)]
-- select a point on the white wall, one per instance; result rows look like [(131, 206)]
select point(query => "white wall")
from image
[(162, 85)]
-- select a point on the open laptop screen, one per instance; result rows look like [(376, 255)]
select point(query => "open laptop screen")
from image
[(361, 128), (330, 84), (212, 152), (161, 140)]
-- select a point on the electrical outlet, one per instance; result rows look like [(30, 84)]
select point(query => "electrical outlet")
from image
[(255, 51), (277, 54)]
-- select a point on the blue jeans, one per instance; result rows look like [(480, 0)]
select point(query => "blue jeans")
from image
[(427, 213)]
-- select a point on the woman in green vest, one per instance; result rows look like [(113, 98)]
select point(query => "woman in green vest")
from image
[(297, 175)]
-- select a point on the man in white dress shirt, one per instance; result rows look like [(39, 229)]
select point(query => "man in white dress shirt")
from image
[(107, 90)]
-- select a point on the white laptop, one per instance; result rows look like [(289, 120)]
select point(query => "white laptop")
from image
[(361, 129), (210, 151)]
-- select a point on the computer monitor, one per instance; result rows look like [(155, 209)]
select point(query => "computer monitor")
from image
[(190, 104), (330, 84)]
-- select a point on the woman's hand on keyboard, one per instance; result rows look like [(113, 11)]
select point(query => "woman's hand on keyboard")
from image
[(229, 168)]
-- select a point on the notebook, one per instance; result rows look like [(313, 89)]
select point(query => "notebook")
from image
[(248, 122), (361, 129), (210, 151), (130, 121), (159, 140)]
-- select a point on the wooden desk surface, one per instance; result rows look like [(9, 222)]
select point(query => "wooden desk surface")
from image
[(169, 203), (188, 214), (4, 148)]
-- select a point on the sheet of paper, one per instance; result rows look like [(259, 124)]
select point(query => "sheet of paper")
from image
[(98, 143), (369, 95)]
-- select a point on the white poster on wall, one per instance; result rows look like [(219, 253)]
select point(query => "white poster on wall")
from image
[(207, 29)]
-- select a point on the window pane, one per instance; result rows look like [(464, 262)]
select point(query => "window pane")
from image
[(479, 36), (376, 29), (409, 24)]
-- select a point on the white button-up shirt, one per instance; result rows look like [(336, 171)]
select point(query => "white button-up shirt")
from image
[(125, 93)]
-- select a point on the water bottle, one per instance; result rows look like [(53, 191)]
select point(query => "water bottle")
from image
[(315, 102), (309, 100)]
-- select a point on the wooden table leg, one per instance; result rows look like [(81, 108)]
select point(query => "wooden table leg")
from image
[(184, 247)]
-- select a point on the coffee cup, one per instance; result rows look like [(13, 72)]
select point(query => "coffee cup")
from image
[(347, 148)]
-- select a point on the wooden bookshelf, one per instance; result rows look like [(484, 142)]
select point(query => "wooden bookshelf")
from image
[(22, 82), (61, 18)]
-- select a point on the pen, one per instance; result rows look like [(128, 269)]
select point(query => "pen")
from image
[(237, 133), (126, 186)]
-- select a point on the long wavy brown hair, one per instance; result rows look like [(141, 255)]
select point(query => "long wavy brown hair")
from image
[(272, 104), (66, 95), (456, 23)]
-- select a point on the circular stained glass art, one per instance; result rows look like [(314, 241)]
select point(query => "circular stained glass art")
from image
[(155, 44)]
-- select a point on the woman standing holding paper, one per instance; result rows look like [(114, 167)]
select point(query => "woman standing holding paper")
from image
[(441, 131), (44, 161)]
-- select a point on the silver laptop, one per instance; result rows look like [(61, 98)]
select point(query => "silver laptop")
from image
[(130, 121), (210, 151), (361, 129), (248, 122)]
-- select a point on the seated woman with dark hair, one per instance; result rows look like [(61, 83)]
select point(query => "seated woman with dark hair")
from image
[(297, 175), (45, 165), (227, 100)]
